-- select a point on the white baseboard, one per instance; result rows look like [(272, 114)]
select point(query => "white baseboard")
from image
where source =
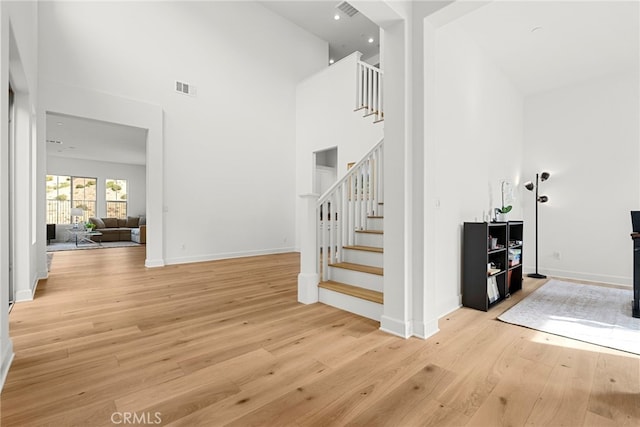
[(396, 327), (28, 295), (425, 329), (449, 306), (24, 295), (152, 263), (590, 277), (5, 363), (227, 255), (308, 288)]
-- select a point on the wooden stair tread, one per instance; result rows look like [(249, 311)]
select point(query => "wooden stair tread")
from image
[(364, 248), (370, 231), (359, 267), (354, 291), (375, 217)]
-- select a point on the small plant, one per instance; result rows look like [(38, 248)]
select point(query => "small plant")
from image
[(504, 209), (89, 225)]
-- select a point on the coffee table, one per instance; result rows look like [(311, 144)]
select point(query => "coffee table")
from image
[(86, 236)]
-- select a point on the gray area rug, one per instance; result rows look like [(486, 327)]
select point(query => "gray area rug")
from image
[(71, 246), (594, 314)]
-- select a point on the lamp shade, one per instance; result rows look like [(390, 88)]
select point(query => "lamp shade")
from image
[(544, 176), (543, 199), (529, 186), (77, 212)]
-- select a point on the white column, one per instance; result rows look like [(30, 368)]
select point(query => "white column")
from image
[(308, 277)]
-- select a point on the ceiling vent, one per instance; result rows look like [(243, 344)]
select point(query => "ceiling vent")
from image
[(185, 88), (347, 9)]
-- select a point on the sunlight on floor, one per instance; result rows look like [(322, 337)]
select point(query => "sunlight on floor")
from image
[(555, 340)]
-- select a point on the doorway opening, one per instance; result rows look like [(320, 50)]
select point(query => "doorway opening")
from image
[(96, 177), (325, 170)]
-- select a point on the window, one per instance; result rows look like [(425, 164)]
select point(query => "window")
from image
[(84, 195), (65, 192), (116, 195)]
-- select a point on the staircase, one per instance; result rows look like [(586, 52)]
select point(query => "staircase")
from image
[(351, 239), (356, 284), (342, 233)]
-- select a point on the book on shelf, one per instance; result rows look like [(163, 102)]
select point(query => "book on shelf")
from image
[(492, 289), (493, 271), (514, 257)]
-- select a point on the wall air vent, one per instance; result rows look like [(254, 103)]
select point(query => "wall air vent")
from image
[(54, 141), (347, 9), (185, 88)]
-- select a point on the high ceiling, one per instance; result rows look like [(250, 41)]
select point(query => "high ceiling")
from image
[(541, 45), (345, 35), (79, 138)]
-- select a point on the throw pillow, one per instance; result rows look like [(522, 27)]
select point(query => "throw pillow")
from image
[(98, 222), (132, 222), (110, 222)]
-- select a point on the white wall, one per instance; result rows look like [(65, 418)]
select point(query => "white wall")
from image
[(134, 174), (587, 136), (325, 119), (229, 151), (18, 64), (477, 142)]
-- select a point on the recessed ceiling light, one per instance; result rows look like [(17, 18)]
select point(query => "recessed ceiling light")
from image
[(59, 123), (331, 61), (534, 29), (370, 39), (336, 17)]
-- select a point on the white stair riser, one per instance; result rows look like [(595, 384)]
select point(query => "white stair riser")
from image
[(372, 259), (356, 278), (361, 307), (375, 223), (380, 211), (368, 239)]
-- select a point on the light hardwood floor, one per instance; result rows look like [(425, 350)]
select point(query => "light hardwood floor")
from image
[(226, 343)]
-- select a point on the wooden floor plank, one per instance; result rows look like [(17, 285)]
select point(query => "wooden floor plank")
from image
[(227, 343), (565, 397)]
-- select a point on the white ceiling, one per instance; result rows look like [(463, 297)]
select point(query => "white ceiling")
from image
[(576, 41), (344, 36), (95, 140)]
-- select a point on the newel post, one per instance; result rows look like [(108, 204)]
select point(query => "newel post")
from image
[(308, 278)]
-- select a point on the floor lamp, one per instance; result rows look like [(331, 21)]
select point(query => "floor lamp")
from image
[(539, 199)]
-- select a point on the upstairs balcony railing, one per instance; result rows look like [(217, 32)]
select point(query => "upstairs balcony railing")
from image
[(369, 91)]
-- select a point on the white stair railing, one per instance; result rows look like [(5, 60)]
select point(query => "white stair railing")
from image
[(344, 208), (369, 90)]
